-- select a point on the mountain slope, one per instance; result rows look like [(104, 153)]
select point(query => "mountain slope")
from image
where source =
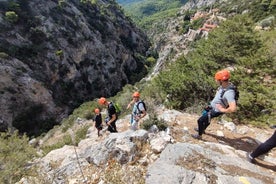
[(57, 54), (170, 157), (145, 12)]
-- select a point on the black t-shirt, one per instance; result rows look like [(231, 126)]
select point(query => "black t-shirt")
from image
[(111, 110), (98, 120)]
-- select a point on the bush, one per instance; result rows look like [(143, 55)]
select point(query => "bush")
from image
[(196, 24), (4, 55), (150, 61), (153, 120), (81, 134), (66, 140), (15, 153), (11, 16)]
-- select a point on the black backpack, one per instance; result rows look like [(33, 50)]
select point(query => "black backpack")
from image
[(236, 90), (143, 105)]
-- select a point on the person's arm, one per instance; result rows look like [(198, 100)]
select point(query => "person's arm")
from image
[(140, 116), (130, 104), (113, 118), (231, 108), (143, 114)]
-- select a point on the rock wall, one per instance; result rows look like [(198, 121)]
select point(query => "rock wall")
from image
[(58, 54)]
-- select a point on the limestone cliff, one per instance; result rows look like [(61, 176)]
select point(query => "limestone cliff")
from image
[(54, 55)]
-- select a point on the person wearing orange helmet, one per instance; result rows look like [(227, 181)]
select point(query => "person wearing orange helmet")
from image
[(138, 111), (112, 115), (98, 120), (223, 102)]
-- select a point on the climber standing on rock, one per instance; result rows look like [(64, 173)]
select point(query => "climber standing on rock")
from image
[(223, 102), (112, 116), (98, 121), (139, 110)]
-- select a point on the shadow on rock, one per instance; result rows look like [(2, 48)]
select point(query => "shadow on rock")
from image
[(242, 143), (265, 164)]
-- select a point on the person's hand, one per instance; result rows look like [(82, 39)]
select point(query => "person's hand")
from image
[(137, 118), (208, 108)]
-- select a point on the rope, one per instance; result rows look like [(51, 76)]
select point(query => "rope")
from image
[(77, 156)]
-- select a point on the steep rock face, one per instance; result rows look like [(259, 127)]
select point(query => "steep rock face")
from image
[(59, 54)]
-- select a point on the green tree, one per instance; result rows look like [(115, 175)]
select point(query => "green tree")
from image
[(186, 82)]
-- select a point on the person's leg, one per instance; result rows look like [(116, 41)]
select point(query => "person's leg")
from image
[(205, 119), (213, 114), (202, 123), (110, 129), (265, 147), (113, 126)]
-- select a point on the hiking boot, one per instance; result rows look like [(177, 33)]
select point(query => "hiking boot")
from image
[(196, 136), (250, 158), (273, 126), (196, 129)]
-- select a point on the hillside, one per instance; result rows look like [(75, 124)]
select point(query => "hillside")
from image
[(128, 2), (55, 55), (166, 157), (72, 153), (146, 12), (237, 40)]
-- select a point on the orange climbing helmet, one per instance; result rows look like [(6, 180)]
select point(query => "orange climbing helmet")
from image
[(136, 94), (222, 75), (102, 101), (97, 111)]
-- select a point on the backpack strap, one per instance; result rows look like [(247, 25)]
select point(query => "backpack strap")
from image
[(224, 90), (230, 87), (138, 106), (111, 105)]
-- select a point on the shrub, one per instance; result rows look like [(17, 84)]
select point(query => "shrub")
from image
[(59, 53), (11, 16), (66, 140), (81, 134), (4, 55), (153, 120), (196, 24), (15, 153), (150, 61)]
